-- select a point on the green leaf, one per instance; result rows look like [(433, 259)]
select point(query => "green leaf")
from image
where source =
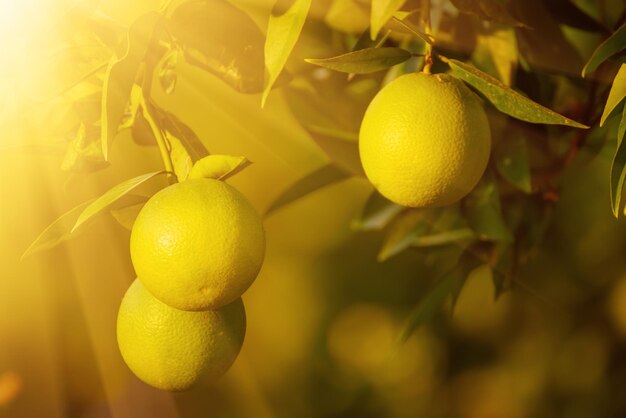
[(126, 215), (511, 157), (282, 34), (496, 53), (121, 75), (221, 39), (382, 11), (611, 46), (219, 167), (448, 285), (490, 10), (364, 61), (318, 179), (507, 100), (405, 229), (616, 95), (482, 208), (180, 157), (618, 167), (57, 232), (111, 196), (183, 132), (544, 47), (376, 214), (429, 39), (567, 13), (443, 238)]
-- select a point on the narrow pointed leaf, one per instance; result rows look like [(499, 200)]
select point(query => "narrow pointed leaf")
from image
[(318, 179), (443, 238), (512, 162), (57, 232), (111, 196), (616, 95), (126, 216), (490, 10), (382, 11), (507, 100), (218, 167), (448, 285), (364, 61), (121, 74), (618, 167), (377, 213), (282, 34), (404, 229), (482, 208), (614, 44)]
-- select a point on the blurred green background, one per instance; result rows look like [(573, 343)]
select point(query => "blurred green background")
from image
[(324, 314)]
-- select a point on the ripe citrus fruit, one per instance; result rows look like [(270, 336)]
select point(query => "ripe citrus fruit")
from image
[(425, 140), (197, 245), (172, 349)]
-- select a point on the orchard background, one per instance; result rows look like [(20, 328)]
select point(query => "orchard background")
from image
[(509, 304)]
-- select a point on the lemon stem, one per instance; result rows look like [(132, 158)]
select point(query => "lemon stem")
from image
[(428, 53), (160, 139)]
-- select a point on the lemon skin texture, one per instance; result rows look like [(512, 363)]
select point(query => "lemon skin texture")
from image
[(172, 349), (425, 140), (197, 245)]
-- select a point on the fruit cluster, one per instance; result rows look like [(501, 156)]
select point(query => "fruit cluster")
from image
[(196, 247)]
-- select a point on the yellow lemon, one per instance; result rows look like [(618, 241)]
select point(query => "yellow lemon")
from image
[(172, 349), (197, 245), (425, 140)]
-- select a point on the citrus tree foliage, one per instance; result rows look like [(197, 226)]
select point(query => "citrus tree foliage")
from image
[(552, 77)]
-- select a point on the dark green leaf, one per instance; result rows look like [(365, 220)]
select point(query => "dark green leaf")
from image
[(511, 156), (618, 167), (501, 268), (482, 208), (544, 47), (377, 213), (221, 39), (490, 10), (57, 232), (322, 177), (443, 238), (122, 73), (404, 229), (282, 34), (111, 196), (611, 46), (364, 61), (434, 300), (219, 167), (616, 95), (507, 100), (382, 10), (567, 13)]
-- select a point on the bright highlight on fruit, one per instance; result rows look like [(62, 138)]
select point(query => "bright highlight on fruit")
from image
[(425, 140), (172, 349), (197, 245)]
